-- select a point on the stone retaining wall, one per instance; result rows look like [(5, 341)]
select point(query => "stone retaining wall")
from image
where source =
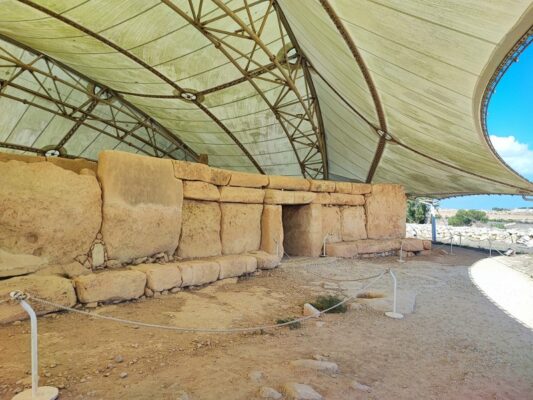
[(73, 218)]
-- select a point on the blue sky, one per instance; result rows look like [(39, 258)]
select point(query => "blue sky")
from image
[(510, 124)]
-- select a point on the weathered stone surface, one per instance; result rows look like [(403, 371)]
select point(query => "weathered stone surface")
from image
[(385, 212), (273, 196), (377, 246), (342, 249), (191, 171), (353, 223), (361, 188), (240, 229), (427, 244), (299, 391), (21, 157), (160, 277), (331, 223), (195, 190), (198, 272), (321, 186), (265, 260), (19, 264), (272, 230), (411, 244), (310, 311), (342, 199), (219, 177), (231, 266), (303, 230), (142, 205), (200, 234), (343, 187), (75, 165), (52, 288), (246, 179), (47, 211), (230, 194), (322, 198), (287, 183), (110, 286), (269, 393), (98, 254), (71, 270), (317, 365)]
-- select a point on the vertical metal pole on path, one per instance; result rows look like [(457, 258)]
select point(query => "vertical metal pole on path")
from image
[(433, 226), (36, 392), (393, 313)]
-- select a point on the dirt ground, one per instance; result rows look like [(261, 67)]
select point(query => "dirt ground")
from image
[(456, 345)]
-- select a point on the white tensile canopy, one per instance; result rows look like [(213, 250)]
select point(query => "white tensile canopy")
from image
[(359, 90)]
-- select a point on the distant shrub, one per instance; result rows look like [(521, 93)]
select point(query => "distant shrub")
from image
[(499, 209), (324, 302), (467, 218), (416, 212)]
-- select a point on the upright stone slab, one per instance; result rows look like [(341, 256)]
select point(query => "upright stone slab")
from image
[(142, 205), (302, 227), (240, 227), (331, 224), (200, 234), (353, 223), (47, 211), (272, 230), (386, 212)]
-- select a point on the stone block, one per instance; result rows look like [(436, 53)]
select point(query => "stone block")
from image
[(272, 230), (343, 187), (342, 249), (341, 199), (412, 244), (110, 286), (231, 194), (427, 244), (361, 188), (303, 230), (287, 183), (19, 264), (273, 196), (231, 266), (200, 233), (47, 211), (353, 223), (142, 205), (424, 253), (331, 223), (198, 272), (76, 165), (386, 212), (265, 260), (196, 190), (53, 288), (21, 157), (240, 228), (321, 186), (219, 177), (70, 271), (246, 179), (191, 171), (322, 198), (377, 246), (160, 277)]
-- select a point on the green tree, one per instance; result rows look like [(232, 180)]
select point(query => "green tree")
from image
[(467, 217), (416, 212)]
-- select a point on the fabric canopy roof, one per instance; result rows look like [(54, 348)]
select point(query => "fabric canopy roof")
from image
[(366, 90)]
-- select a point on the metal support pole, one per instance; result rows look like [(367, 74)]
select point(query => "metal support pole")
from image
[(36, 392), (401, 253), (433, 227), (324, 245), (393, 314)]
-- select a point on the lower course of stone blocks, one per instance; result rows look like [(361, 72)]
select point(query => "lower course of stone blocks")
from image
[(371, 246)]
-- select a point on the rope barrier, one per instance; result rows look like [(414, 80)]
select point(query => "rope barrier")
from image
[(204, 330)]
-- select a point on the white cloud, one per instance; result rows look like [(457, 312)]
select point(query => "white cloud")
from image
[(516, 154)]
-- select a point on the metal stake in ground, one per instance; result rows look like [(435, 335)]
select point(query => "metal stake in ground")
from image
[(393, 314), (36, 392)]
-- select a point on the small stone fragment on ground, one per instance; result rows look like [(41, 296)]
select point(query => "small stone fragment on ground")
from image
[(310, 311), (359, 386), (123, 375), (255, 376), (269, 393), (119, 359), (323, 366), (299, 391)]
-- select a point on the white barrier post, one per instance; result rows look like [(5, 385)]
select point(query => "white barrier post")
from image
[(490, 247), (36, 392), (324, 245), (401, 253), (393, 314)]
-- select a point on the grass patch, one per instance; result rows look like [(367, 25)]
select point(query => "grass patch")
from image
[(370, 295), (324, 302), (295, 325)]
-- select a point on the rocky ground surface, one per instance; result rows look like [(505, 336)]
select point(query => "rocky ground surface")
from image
[(518, 238), (453, 343)]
